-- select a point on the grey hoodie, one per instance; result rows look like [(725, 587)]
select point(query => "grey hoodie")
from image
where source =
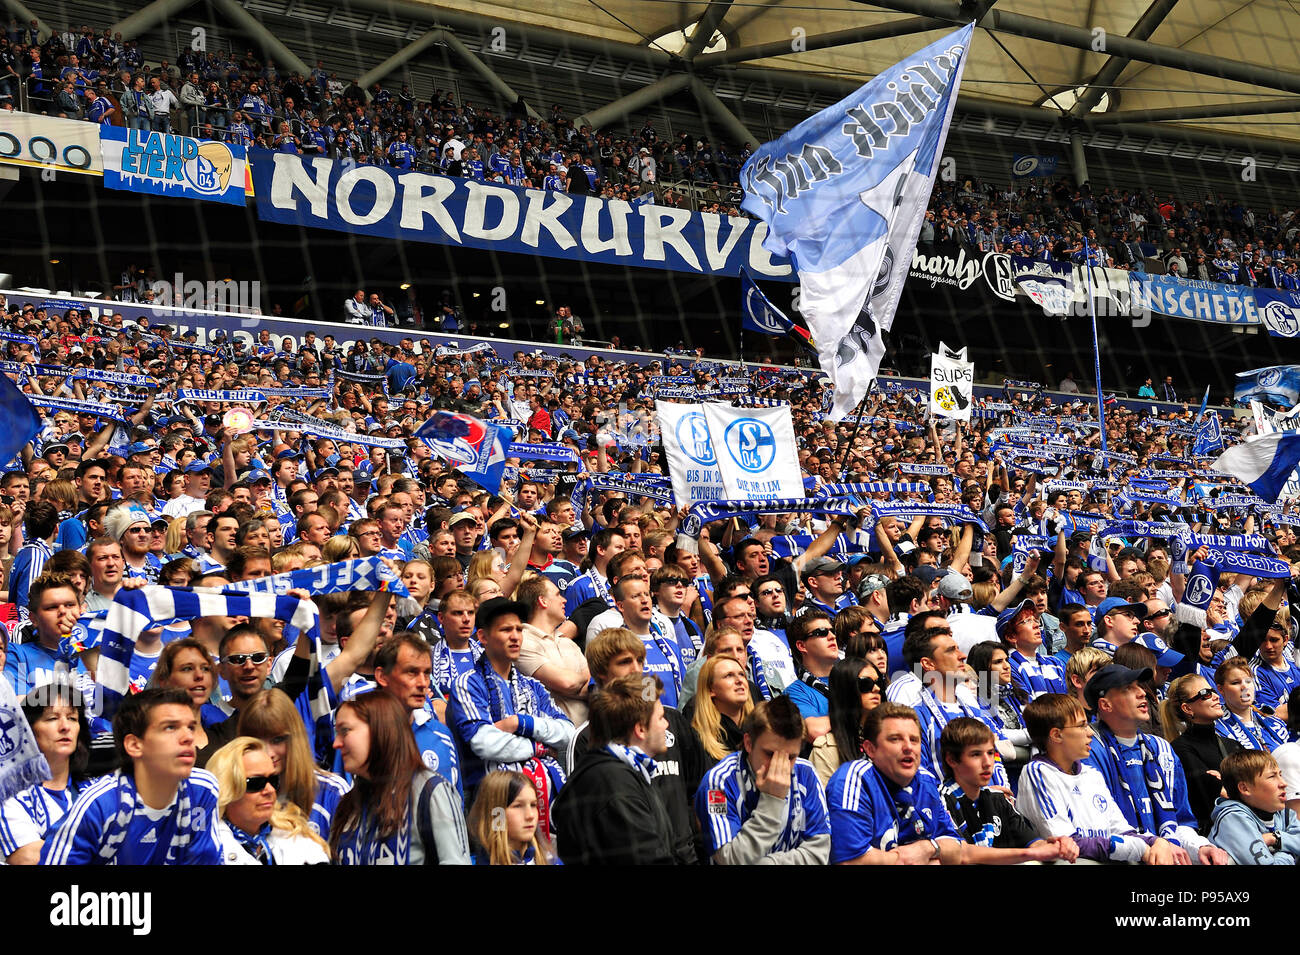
[(1238, 830)]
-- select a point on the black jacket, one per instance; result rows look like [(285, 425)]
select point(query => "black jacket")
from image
[(677, 776), (607, 814), (1201, 749)]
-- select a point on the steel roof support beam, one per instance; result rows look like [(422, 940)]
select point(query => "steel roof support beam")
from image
[(1286, 104), (148, 17), (401, 57), (730, 124), (823, 41), (1151, 18), (705, 27), (633, 101), (250, 26), (485, 72), (1082, 38)]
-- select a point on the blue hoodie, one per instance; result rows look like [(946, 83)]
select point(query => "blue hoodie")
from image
[(1238, 830)]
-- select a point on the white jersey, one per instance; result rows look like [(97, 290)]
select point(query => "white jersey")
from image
[(778, 665), (1057, 803)]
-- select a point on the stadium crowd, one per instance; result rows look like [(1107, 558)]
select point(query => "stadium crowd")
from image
[(99, 77), (279, 628)]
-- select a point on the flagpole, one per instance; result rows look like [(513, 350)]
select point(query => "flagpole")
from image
[(857, 425), (1096, 348)]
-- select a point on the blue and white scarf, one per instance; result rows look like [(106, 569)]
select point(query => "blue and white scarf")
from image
[(623, 482), (635, 757), (870, 487), (116, 377), (541, 452), (22, 765), (243, 396), (189, 824), (102, 411), (363, 573)]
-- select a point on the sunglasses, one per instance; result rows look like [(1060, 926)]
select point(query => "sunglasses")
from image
[(820, 633), (1158, 614), (255, 784), (674, 581), (868, 684), (239, 659), (1204, 694)]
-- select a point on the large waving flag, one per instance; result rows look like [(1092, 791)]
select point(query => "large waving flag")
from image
[(758, 314), (1209, 436), (1279, 384), (844, 194), (1265, 462), (475, 447), (21, 421)]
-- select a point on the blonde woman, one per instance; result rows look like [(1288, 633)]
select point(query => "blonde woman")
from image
[(503, 822), (722, 702), (340, 547), (272, 718), (255, 829), (175, 540)]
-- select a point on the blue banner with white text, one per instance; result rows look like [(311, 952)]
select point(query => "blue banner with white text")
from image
[(374, 200)]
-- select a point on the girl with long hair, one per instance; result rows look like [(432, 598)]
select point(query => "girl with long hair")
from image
[(255, 828), (272, 718), (721, 704), (398, 811), (57, 716), (856, 688), (503, 822)]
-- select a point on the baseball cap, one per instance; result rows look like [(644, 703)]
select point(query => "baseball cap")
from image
[(870, 584), (822, 565), (139, 447), (1166, 656), (1117, 604), (489, 610), (1007, 617), (460, 518), (257, 476), (954, 586), (56, 446), (197, 467), (573, 533), (927, 574), (321, 472), (1112, 677)]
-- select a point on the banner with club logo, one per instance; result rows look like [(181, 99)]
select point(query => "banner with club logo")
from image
[(164, 164), (755, 448), (952, 382), (692, 463)]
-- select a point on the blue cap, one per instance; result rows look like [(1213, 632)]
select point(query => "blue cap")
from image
[(256, 475), (139, 447), (1112, 604), (321, 472), (197, 467), (287, 453), (1112, 677), (1166, 656), (1008, 616)]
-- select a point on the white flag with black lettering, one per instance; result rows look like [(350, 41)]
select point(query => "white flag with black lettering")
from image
[(692, 465), (756, 451), (952, 381)]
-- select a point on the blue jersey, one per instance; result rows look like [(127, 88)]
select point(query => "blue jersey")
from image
[(480, 698), (728, 795), (72, 534), (1043, 674), (437, 748), (30, 665), (583, 587), (664, 659), (30, 815), (329, 790), (401, 155), (150, 571), (91, 833), (868, 811), (29, 562), (1147, 782), (1274, 686)]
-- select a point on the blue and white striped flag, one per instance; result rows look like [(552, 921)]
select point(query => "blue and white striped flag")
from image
[(134, 611), (844, 194), (1265, 462)]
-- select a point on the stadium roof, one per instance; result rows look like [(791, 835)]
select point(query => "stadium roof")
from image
[(1227, 66)]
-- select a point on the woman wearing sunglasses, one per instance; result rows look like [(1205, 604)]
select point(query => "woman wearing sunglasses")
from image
[(1189, 712), (856, 688), (254, 828)]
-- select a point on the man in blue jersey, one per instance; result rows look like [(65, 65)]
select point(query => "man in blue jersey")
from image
[(402, 667), (765, 805), (886, 809), (814, 648), (502, 719), (157, 809), (40, 524), (1143, 775), (55, 605)]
